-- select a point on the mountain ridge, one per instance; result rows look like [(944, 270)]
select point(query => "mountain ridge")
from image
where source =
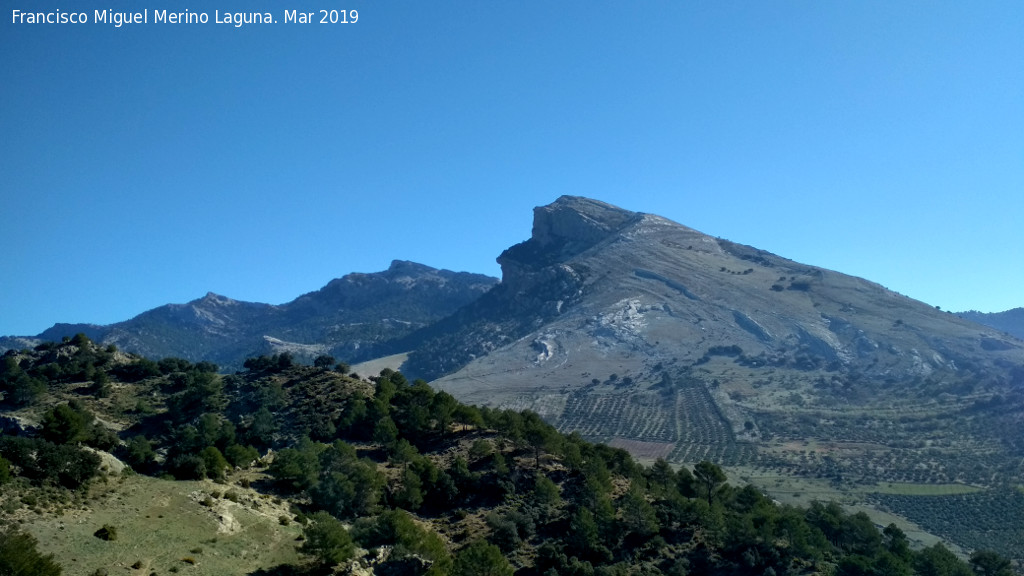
[(637, 331), (643, 334), (346, 317), (1009, 321)]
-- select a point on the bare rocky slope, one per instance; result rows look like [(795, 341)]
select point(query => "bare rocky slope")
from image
[(638, 331)]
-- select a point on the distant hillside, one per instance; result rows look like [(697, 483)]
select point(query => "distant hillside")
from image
[(1010, 321), (349, 317)]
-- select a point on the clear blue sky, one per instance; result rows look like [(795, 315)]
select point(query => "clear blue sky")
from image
[(153, 163)]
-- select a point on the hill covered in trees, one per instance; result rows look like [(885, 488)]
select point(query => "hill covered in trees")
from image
[(382, 474)]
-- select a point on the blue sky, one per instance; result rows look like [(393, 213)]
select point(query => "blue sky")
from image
[(153, 163)]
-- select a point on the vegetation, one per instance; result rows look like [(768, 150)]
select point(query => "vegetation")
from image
[(328, 540), (981, 520), (430, 486), (19, 555)]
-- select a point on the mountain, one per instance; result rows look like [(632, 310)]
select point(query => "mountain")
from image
[(623, 327), (349, 318), (640, 332), (637, 331), (1010, 321)]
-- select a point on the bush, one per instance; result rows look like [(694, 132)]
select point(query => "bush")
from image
[(503, 532), (188, 467), (481, 559), (19, 388), (241, 456), (214, 462), (72, 423), (107, 532), (5, 471), (138, 370), (327, 539), (323, 361), (396, 527), (139, 453)]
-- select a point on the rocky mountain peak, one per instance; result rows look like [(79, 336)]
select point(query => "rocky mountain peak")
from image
[(561, 230), (216, 300), (577, 222), (410, 267)]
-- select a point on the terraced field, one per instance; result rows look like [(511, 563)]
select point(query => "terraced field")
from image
[(686, 421), (640, 416)]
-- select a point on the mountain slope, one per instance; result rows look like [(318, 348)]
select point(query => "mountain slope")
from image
[(348, 317), (644, 333), (1010, 321)]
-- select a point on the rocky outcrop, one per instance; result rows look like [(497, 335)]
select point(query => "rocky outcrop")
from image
[(572, 223), (562, 230)]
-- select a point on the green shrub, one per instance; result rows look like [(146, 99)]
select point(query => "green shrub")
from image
[(214, 462), (107, 532), (481, 559), (139, 453), (241, 456), (328, 540)]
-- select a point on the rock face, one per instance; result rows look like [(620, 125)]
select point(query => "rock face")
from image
[(644, 333), (571, 225), (350, 318)]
